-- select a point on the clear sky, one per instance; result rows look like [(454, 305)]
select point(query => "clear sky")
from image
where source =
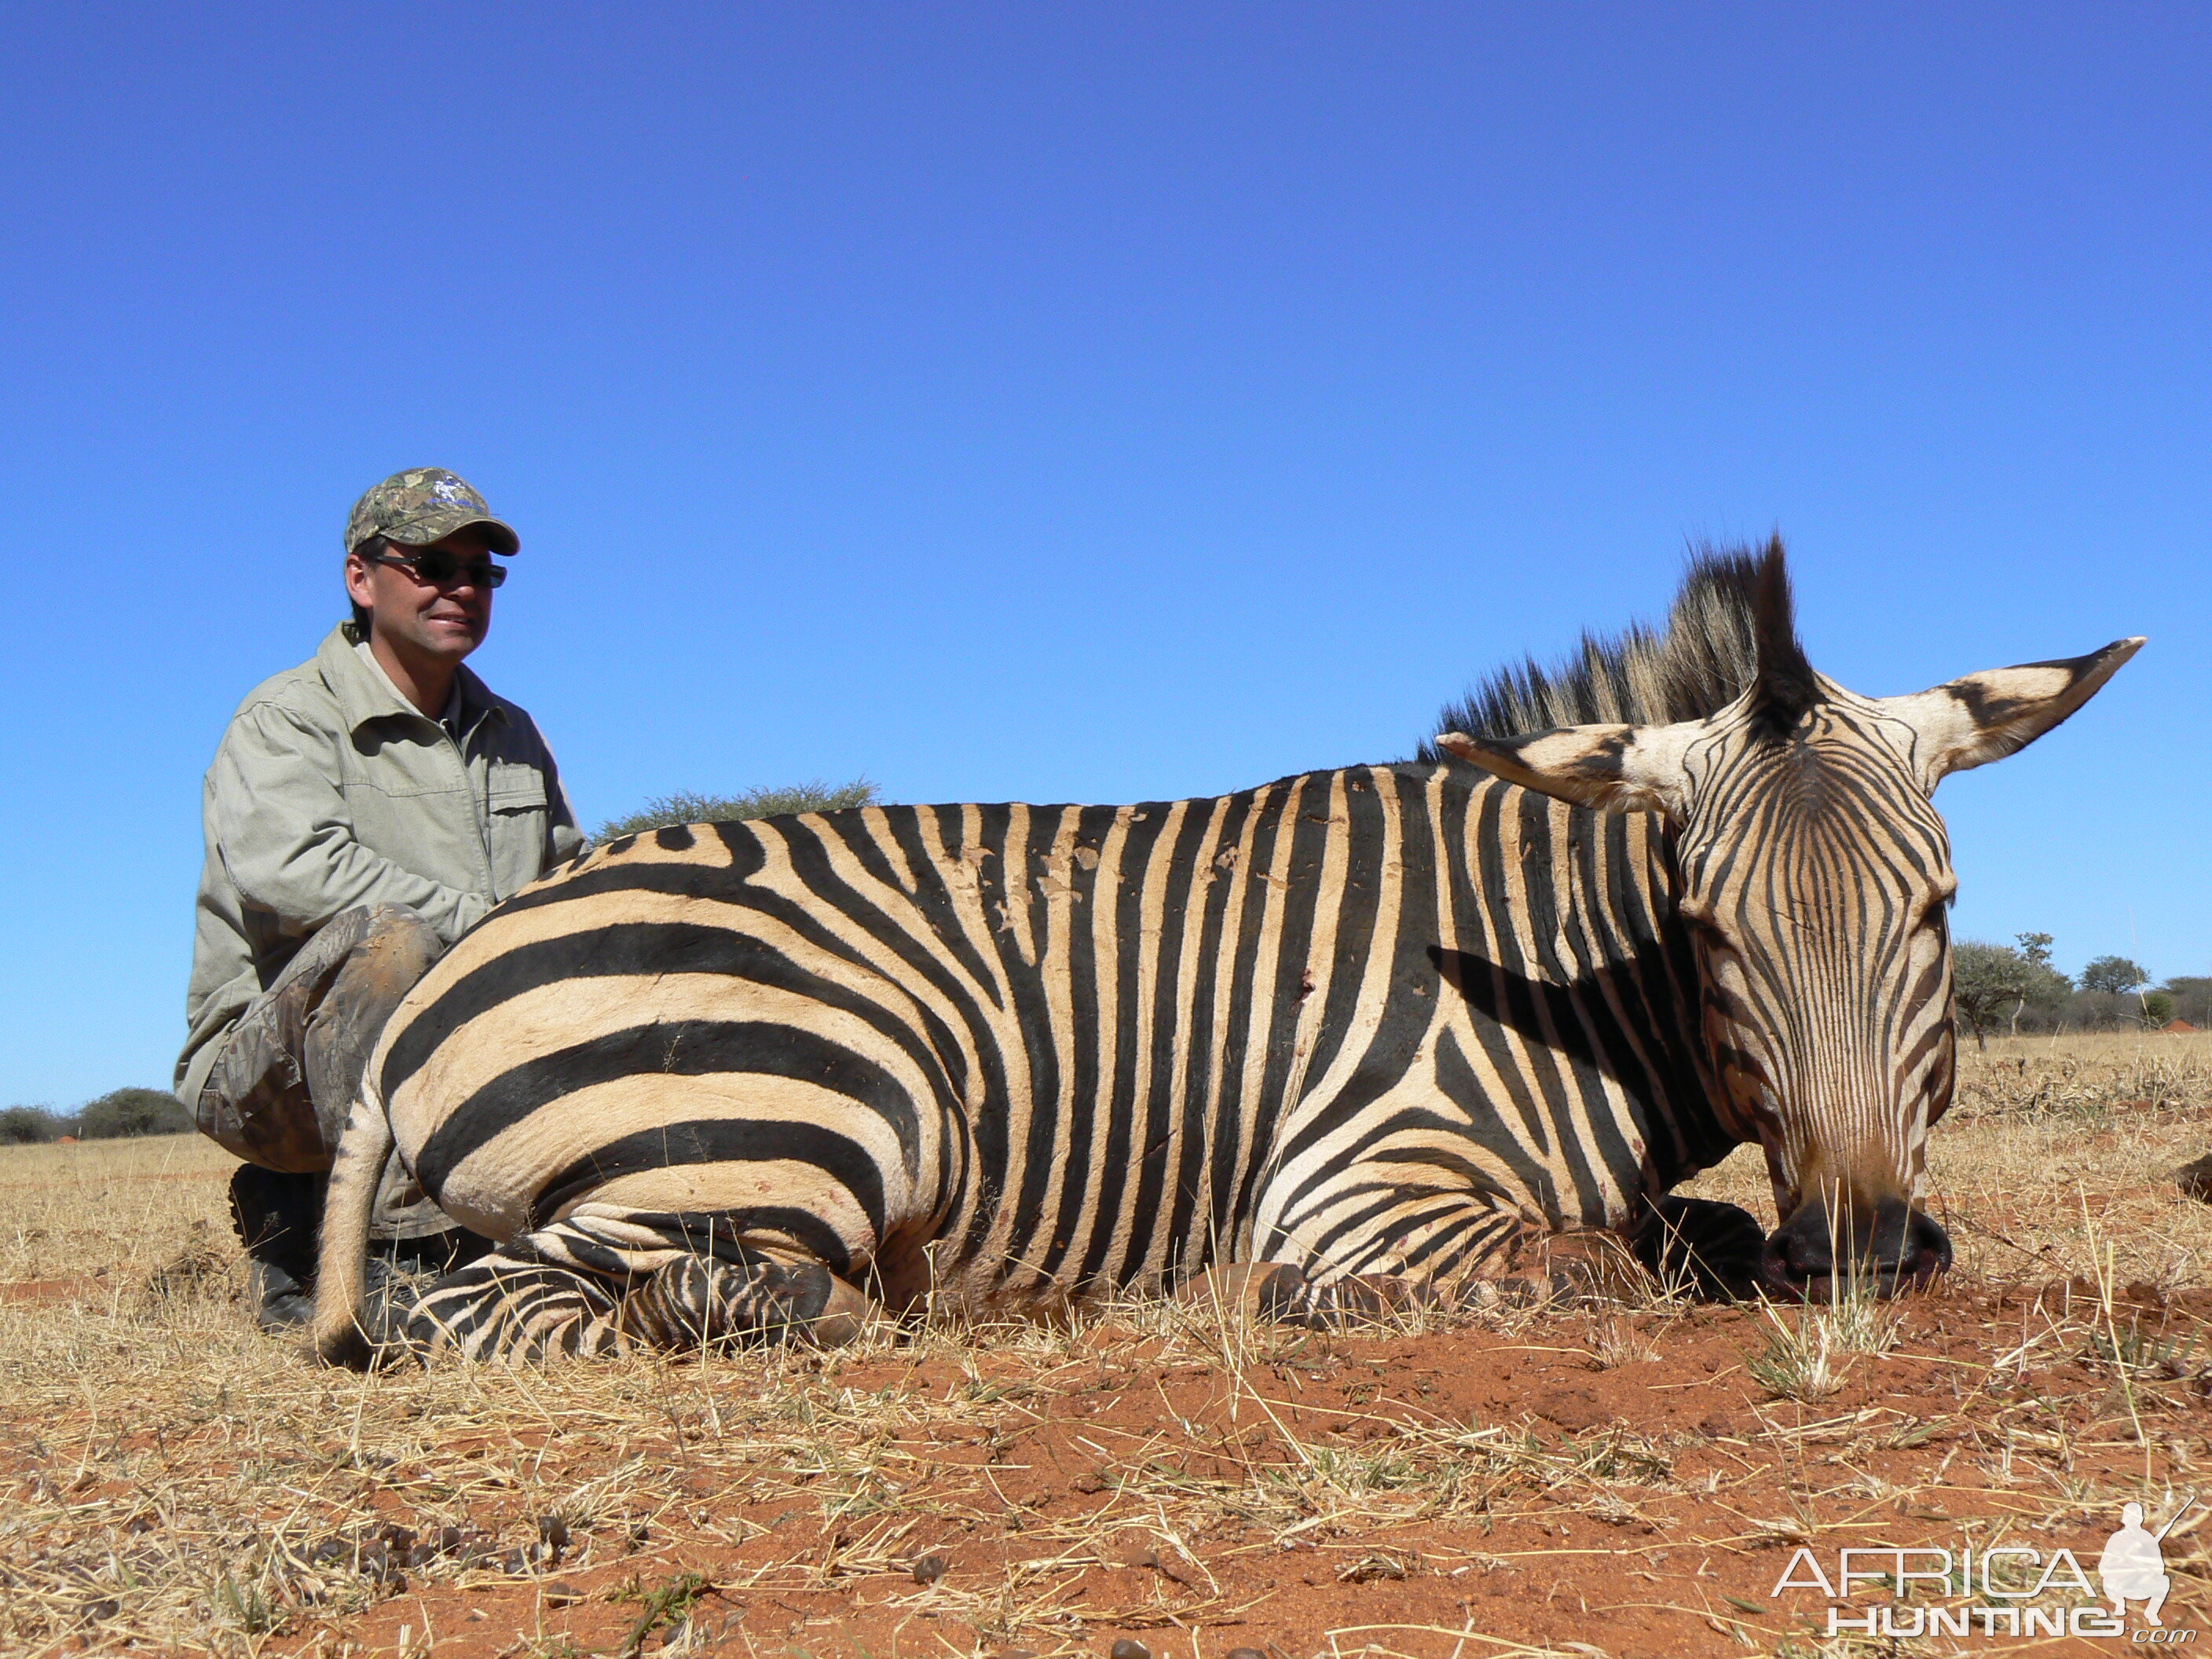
[(1095, 402)]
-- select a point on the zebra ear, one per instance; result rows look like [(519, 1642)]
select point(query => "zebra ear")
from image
[(1985, 717), (1613, 769)]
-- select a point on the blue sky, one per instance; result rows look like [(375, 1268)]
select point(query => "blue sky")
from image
[(1087, 403)]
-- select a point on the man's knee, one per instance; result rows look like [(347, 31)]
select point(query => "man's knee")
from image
[(256, 1104), (396, 949), (286, 1077)]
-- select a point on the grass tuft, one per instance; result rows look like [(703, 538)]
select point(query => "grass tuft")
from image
[(684, 807)]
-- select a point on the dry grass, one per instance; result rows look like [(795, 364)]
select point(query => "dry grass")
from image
[(1615, 1481)]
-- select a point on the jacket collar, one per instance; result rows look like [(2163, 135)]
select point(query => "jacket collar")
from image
[(365, 692)]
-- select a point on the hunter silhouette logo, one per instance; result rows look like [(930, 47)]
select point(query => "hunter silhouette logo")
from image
[(2132, 1568)]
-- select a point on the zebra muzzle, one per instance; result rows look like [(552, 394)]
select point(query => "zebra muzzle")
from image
[(1824, 1251)]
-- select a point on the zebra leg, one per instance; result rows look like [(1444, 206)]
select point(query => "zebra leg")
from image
[(1441, 1252), (608, 1281), (1257, 1292), (1713, 1249), (1367, 1247), (710, 1302), (692, 1280), (552, 1294), (1279, 1293), (512, 1307)]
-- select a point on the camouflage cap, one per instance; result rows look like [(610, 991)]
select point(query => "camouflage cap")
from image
[(421, 506)]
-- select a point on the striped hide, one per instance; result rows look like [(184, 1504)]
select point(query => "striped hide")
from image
[(1364, 1035)]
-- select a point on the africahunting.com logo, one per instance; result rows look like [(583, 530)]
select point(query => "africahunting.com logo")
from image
[(2011, 1590)]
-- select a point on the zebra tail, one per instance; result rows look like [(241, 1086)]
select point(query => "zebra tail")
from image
[(342, 1253)]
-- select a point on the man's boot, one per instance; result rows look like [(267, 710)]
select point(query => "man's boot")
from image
[(277, 1217)]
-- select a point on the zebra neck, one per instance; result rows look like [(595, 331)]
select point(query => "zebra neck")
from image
[(1581, 983)]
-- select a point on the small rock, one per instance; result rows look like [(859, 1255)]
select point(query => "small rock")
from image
[(928, 1569), (1244, 1653), (561, 1593), (553, 1533), (2195, 1178), (1125, 1649), (1718, 1425), (95, 1611)]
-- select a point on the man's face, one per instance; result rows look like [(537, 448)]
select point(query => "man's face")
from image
[(443, 620)]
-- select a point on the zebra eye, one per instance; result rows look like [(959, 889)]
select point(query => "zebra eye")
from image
[(1939, 901)]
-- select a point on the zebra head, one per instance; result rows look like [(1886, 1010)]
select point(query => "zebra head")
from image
[(1814, 875)]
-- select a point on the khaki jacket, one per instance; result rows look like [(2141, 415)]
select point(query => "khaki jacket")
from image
[(330, 790)]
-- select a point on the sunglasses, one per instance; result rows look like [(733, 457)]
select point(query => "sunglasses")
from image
[(438, 566)]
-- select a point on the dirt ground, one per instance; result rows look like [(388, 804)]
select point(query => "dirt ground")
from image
[(1630, 1480)]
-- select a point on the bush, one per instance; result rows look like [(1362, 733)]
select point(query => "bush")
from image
[(2192, 999), (129, 1112), (29, 1125), (684, 807)]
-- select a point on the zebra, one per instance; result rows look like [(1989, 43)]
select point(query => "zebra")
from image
[(1364, 1038)]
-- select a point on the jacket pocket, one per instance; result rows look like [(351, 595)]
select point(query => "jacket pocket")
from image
[(520, 818)]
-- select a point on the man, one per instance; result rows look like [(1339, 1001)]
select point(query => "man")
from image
[(364, 810)]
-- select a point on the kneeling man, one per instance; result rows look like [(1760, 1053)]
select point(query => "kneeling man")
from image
[(364, 810)]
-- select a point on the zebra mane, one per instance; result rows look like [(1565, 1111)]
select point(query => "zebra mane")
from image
[(1732, 624)]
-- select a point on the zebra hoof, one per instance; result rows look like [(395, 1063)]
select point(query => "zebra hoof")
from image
[(1361, 1301), (1520, 1292), (1258, 1292), (1713, 1250), (844, 1316), (697, 1302)]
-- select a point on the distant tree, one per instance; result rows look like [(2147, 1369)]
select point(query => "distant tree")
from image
[(2116, 976), (127, 1112), (2045, 988), (684, 807), (1988, 983), (28, 1126), (2157, 1007)]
